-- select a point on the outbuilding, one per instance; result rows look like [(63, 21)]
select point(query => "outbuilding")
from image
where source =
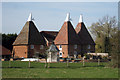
[(52, 53), (5, 53)]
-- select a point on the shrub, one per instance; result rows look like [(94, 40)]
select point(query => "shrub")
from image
[(114, 61)]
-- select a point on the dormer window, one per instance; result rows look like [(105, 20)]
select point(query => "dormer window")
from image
[(31, 46)]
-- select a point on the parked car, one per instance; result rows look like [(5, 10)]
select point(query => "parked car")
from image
[(30, 59)]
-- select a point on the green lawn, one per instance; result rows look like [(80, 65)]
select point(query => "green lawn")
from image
[(57, 70)]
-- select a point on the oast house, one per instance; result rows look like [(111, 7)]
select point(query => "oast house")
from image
[(70, 42)]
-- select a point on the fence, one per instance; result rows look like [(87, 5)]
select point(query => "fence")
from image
[(20, 64)]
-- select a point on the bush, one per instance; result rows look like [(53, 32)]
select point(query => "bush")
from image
[(114, 61), (87, 56), (105, 57), (72, 58), (99, 57)]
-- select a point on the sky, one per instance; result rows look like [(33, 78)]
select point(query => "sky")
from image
[(50, 16)]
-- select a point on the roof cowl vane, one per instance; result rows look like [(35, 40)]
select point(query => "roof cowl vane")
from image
[(30, 17), (81, 18), (68, 17)]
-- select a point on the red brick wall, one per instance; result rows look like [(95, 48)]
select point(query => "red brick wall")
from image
[(20, 51), (72, 49), (26, 51), (64, 50), (36, 49), (85, 48), (69, 49)]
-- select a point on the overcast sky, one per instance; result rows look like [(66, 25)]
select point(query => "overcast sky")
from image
[(50, 16)]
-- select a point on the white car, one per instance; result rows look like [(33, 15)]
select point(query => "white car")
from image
[(30, 59)]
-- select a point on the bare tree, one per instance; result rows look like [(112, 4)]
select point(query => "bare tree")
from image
[(106, 34), (103, 32)]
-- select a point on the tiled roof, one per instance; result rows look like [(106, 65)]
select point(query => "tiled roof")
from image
[(53, 33), (67, 35), (4, 51), (53, 48), (83, 34), (29, 35), (49, 35)]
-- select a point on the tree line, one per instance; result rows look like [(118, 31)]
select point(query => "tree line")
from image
[(107, 37), (7, 40)]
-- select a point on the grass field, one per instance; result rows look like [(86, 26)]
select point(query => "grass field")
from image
[(57, 70)]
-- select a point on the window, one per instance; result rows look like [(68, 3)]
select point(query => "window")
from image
[(60, 47), (88, 52), (89, 46), (41, 46), (75, 54), (60, 54), (31, 46), (75, 46)]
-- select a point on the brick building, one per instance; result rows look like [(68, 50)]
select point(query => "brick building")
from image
[(29, 43), (67, 41), (71, 42), (5, 53), (87, 43)]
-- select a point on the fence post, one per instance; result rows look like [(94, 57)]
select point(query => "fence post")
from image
[(49, 64), (67, 63), (98, 61), (83, 62), (9, 64), (45, 63)]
